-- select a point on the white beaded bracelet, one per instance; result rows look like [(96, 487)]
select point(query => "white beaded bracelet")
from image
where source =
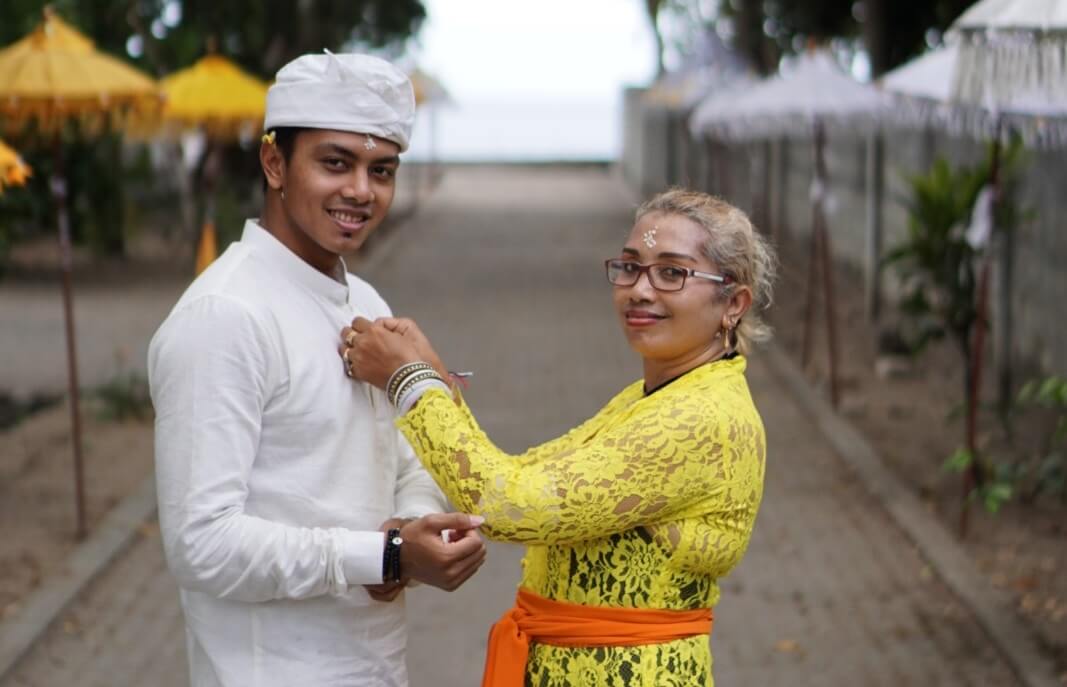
[(407, 401)]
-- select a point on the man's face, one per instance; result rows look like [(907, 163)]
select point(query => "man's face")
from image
[(336, 192)]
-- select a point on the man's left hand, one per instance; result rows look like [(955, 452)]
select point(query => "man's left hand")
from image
[(388, 591)]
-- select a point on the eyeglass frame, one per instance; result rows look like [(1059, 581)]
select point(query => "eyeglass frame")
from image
[(646, 270)]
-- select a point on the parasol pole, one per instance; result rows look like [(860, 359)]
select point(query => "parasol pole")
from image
[(875, 193), (59, 191), (973, 476), (821, 256)]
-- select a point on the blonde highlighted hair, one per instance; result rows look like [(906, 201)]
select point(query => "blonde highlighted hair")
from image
[(734, 246)]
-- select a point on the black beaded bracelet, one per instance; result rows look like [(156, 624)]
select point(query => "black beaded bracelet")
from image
[(391, 557)]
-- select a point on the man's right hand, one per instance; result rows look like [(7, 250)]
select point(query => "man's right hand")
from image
[(426, 557)]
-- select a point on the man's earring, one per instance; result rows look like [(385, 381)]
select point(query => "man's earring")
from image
[(283, 194)]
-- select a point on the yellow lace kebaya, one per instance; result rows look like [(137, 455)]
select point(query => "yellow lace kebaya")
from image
[(645, 505)]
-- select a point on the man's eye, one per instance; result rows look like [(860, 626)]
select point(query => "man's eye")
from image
[(383, 172), (334, 163)]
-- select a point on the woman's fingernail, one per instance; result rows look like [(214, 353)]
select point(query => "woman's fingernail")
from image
[(476, 520)]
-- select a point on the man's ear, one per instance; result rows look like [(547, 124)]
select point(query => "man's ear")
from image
[(273, 163)]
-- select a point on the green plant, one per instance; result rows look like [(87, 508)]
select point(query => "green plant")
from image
[(1048, 465), (124, 397), (1042, 470), (938, 266)]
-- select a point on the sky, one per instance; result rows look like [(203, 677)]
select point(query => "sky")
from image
[(532, 79)]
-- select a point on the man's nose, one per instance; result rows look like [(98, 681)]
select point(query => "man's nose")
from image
[(358, 187)]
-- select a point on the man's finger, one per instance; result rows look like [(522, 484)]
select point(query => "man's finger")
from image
[(385, 597), (361, 324), (465, 570), (468, 547), (452, 521)]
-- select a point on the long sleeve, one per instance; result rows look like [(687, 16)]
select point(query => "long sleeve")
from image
[(652, 461), (416, 492), (212, 369)]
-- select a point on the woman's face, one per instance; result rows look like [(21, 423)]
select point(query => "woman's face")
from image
[(671, 326)]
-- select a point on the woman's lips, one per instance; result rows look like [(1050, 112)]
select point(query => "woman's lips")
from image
[(642, 318)]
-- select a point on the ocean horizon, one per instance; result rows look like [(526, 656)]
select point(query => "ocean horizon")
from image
[(518, 131)]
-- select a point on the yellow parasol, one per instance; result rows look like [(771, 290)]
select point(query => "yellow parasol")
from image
[(13, 171), (226, 103), (214, 95), (51, 77), (55, 74)]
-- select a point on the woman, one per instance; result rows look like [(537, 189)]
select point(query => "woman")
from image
[(631, 518)]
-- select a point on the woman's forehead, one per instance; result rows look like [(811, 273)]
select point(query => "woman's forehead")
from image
[(657, 232)]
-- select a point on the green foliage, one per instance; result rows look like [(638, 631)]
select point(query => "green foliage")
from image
[(999, 486), (1048, 465), (936, 263), (124, 397), (1025, 477), (261, 35)]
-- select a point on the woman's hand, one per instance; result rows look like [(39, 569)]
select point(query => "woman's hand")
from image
[(372, 351), (410, 331)]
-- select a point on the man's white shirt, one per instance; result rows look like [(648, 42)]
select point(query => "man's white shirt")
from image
[(274, 473)]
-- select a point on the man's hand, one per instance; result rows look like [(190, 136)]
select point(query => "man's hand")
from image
[(388, 590), (426, 557)]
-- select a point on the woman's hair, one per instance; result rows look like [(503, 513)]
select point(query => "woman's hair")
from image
[(734, 246)]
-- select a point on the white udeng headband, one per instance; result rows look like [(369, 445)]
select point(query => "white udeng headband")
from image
[(346, 92)]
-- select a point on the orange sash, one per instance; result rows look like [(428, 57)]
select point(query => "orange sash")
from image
[(535, 618)]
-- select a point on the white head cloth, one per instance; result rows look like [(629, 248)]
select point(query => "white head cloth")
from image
[(357, 93)]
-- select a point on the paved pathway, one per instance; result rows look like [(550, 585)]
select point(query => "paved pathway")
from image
[(501, 267)]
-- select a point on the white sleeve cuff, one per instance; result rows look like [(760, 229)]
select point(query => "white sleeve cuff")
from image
[(361, 557)]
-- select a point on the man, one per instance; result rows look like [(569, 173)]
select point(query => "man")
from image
[(276, 473)]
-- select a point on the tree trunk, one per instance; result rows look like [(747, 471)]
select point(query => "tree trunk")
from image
[(750, 38), (653, 7), (875, 35)]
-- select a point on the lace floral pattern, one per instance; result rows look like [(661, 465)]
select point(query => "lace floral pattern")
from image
[(645, 505)]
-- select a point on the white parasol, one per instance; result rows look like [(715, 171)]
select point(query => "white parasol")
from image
[(923, 94), (1011, 48), (812, 90)]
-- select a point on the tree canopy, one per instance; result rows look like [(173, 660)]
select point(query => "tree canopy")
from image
[(762, 30), (261, 35)]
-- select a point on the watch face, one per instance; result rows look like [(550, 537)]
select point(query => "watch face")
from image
[(396, 541)]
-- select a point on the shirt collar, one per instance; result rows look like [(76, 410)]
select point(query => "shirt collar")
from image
[(290, 266)]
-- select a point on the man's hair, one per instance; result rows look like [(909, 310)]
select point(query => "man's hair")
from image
[(285, 141)]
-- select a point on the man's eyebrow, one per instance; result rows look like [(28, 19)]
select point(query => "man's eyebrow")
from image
[(336, 148), (391, 160)]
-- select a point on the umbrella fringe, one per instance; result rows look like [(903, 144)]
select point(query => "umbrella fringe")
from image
[(979, 123), (1002, 67)]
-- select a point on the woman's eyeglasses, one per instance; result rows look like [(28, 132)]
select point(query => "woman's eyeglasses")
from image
[(662, 276)]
